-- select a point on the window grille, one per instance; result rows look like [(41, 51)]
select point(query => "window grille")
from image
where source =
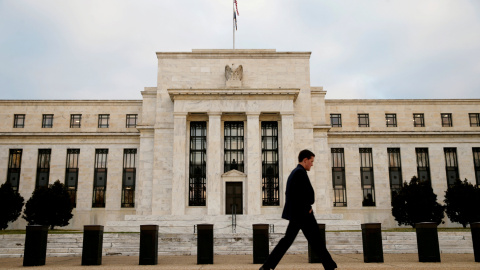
[(366, 171), (423, 164), (198, 164), (19, 121), (270, 168), (47, 121), (476, 162), (131, 120), (100, 178), (447, 120), (129, 177), (474, 119), (43, 168), (363, 120), (103, 120), (75, 120), (14, 167), (391, 119), (338, 177), (71, 174), (233, 146), (395, 171), (451, 165), (336, 120), (418, 120)]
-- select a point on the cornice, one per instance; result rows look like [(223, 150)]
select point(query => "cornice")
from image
[(289, 93), (401, 133), (402, 101), (232, 54), (70, 102), (69, 134)]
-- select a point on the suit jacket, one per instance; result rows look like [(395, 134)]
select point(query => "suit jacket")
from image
[(299, 195)]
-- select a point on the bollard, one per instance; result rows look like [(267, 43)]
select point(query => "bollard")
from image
[(148, 245), (92, 245), (35, 245), (205, 244), (260, 243), (475, 230), (372, 242), (312, 256), (427, 242)]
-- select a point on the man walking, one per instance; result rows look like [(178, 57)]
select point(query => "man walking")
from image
[(298, 210)]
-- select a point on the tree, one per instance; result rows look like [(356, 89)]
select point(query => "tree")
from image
[(416, 203), (11, 204), (49, 206), (462, 202)]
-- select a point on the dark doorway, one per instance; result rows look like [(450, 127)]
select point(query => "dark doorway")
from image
[(233, 198)]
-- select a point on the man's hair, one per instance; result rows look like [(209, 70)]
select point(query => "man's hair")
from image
[(305, 154)]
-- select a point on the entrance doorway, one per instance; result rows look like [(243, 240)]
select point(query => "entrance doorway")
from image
[(234, 198)]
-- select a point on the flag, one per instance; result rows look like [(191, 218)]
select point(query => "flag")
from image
[(236, 7), (235, 19)]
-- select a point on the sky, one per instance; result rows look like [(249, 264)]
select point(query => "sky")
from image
[(361, 49)]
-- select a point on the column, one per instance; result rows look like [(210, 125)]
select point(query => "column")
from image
[(254, 165), (214, 163), (288, 155), (179, 180)]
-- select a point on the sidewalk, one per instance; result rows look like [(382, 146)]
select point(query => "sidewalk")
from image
[(344, 261)]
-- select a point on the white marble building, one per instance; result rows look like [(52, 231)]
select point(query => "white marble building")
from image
[(224, 128)]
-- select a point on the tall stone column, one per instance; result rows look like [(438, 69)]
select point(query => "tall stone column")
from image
[(179, 184), (214, 167), (143, 196), (288, 151), (254, 165)]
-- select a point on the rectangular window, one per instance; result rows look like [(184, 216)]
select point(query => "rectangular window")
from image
[(423, 164), (366, 171), (418, 120), (476, 162), (19, 121), (336, 120), (233, 146), (43, 168), (132, 120), (395, 171), (447, 120), (338, 177), (100, 178), (474, 119), (14, 166), (451, 165), (71, 174), (103, 120), (75, 120), (270, 168), (47, 121), (391, 119), (198, 164), (363, 120), (129, 176)]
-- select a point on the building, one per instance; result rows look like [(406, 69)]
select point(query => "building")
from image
[(220, 133)]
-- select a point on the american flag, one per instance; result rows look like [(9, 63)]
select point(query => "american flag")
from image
[(235, 20), (236, 7)]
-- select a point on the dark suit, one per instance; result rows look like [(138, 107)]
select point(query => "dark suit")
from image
[(298, 203)]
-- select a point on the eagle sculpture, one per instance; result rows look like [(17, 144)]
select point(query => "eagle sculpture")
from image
[(236, 75)]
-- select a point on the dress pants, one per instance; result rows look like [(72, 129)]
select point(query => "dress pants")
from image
[(309, 227)]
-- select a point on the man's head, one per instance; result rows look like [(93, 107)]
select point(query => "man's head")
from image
[(306, 158)]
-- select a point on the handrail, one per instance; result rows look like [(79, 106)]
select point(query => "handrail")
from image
[(234, 218)]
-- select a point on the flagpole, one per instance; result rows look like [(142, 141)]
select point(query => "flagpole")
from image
[(233, 1)]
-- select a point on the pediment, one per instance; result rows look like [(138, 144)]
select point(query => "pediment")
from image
[(234, 173), (242, 93)]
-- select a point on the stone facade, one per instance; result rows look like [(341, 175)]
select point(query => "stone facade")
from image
[(274, 86)]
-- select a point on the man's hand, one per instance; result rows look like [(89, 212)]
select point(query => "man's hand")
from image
[(311, 210)]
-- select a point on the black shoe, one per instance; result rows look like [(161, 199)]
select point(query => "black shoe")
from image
[(264, 268)]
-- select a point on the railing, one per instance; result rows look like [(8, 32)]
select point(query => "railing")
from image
[(234, 218)]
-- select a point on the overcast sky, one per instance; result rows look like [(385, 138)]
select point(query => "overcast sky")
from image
[(105, 49)]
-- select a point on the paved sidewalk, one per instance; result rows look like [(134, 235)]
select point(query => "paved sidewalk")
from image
[(344, 261)]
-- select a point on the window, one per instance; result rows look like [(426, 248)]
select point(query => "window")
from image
[(338, 177), (423, 164), (366, 171), (100, 178), (14, 165), (446, 120), (363, 120), (451, 165), (474, 119), (47, 121), (418, 120), (129, 176), (391, 119), (132, 120), (103, 120), (19, 121), (71, 174), (233, 146), (476, 162), (336, 120), (75, 120), (43, 168), (270, 168), (198, 164), (395, 171)]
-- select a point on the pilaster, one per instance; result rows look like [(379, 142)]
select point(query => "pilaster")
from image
[(179, 183), (288, 151), (254, 164), (214, 163)]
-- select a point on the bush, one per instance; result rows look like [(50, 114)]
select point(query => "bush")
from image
[(416, 203), (462, 202), (11, 204), (49, 206)]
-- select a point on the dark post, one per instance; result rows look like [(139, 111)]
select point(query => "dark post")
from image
[(312, 256), (260, 243), (35, 245), (92, 245), (205, 244), (427, 242), (475, 230), (372, 242), (148, 245)]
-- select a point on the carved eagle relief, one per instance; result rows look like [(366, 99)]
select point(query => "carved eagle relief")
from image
[(236, 75)]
